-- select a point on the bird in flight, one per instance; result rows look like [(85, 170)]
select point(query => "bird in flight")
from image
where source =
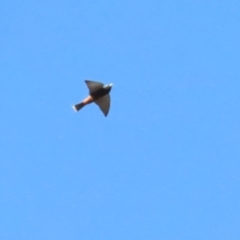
[(99, 94)]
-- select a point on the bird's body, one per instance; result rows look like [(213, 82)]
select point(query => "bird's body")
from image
[(87, 100), (98, 93)]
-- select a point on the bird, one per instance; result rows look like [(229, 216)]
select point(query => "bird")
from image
[(99, 94)]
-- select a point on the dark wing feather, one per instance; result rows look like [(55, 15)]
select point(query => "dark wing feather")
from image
[(104, 104), (93, 86)]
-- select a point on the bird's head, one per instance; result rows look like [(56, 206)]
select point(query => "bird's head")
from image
[(108, 86)]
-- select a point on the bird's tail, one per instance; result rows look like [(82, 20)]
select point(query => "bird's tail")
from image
[(78, 106)]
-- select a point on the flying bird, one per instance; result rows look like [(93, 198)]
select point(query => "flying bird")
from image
[(99, 94)]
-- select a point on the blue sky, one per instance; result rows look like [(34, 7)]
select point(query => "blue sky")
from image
[(164, 164)]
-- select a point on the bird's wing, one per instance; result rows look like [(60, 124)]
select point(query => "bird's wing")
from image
[(104, 104), (93, 86)]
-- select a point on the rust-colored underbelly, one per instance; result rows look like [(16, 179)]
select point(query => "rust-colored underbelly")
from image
[(88, 100)]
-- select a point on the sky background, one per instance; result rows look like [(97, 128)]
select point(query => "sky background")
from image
[(164, 164)]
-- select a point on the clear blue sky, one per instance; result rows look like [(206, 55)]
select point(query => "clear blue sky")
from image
[(164, 164)]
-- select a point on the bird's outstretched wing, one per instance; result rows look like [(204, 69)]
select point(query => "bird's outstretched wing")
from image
[(93, 86), (104, 104)]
